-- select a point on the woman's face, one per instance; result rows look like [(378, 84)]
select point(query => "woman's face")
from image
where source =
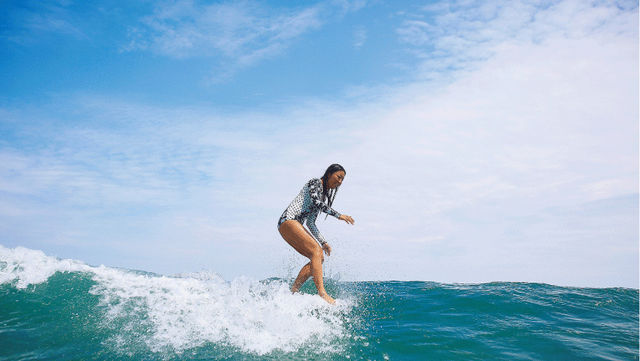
[(335, 179)]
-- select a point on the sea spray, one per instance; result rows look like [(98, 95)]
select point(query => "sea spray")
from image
[(172, 314)]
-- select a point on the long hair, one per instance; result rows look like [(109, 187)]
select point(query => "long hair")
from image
[(329, 195)]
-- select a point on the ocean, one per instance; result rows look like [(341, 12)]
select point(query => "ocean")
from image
[(54, 309)]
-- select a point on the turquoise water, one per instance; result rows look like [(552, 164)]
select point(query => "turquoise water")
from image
[(66, 310)]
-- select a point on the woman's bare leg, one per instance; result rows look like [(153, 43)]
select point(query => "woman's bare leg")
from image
[(303, 276), (294, 233), (304, 273)]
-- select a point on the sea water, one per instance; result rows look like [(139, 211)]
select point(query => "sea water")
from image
[(57, 309)]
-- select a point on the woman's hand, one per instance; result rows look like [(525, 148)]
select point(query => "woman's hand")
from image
[(347, 219), (327, 249)]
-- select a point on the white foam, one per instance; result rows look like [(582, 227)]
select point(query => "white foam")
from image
[(24, 266), (189, 310)]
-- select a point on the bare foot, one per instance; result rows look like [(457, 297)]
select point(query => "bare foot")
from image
[(328, 298)]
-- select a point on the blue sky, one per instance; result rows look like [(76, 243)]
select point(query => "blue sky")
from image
[(483, 141)]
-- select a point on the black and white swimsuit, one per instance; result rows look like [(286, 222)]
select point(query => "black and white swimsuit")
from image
[(306, 206)]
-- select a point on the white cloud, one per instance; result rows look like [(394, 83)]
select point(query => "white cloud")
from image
[(415, 32), (236, 34), (359, 37), (30, 25), (458, 34), (239, 33)]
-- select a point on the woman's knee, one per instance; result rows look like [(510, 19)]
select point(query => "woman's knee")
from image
[(317, 254)]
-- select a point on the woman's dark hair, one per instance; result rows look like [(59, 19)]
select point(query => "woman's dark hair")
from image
[(329, 195)]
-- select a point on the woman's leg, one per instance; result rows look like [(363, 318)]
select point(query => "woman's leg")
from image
[(304, 273), (303, 276), (294, 233)]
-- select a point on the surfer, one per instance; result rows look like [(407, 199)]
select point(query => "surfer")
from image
[(316, 195)]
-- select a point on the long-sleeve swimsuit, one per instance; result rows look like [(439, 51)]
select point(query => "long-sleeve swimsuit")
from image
[(306, 206)]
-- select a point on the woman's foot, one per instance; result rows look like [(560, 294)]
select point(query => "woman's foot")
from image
[(326, 297)]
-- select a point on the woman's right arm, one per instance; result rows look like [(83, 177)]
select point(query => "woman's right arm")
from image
[(311, 223)]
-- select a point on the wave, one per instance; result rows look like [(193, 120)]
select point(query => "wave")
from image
[(139, 310)]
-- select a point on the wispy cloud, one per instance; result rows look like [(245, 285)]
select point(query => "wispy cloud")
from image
[(240, 34), (455, 35), (236, 34), (359, 37), (28, 24)]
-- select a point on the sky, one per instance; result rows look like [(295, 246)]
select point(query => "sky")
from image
[(483, 140)]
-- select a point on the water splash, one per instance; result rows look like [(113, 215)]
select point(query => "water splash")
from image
[(186, 311)]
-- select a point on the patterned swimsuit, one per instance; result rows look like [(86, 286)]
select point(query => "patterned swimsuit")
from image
[(306, 206)]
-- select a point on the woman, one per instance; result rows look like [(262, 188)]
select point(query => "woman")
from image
[(316, 195)]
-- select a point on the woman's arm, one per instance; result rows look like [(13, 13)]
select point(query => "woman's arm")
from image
[(311, 223)]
